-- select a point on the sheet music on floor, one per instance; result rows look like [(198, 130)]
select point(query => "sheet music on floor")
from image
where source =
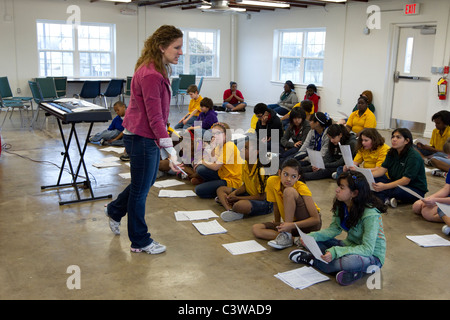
[(301, 278), (167, 183), (126, 175), (429, 240), (176, 193), (243, 247), (208, 228), (194, 215), (107, 162), (311, 244), (119, 150)]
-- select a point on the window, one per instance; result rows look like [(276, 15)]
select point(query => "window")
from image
[(299, 55), (86, 51), (200, 53), (408, 55)]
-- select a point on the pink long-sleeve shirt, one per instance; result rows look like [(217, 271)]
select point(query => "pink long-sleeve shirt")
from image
[(148, 111)]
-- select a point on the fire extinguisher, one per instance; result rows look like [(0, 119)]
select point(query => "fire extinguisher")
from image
[(442, 88)]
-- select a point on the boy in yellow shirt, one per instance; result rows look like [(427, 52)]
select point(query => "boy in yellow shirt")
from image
[(250, 198), (292, 205), (439, 136), (193, 109)]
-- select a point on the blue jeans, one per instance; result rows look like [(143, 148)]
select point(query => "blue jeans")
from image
[(397, 193), (144, 162), (189, 123), (351, 262), (212, 180)]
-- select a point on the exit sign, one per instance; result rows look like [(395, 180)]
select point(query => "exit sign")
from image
[(412, 9)]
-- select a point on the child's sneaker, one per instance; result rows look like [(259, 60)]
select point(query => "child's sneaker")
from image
[(390, 202), (152, 248), (439, 173), (282, 241), (301, 256), (230, 215), (446, 230), (113, 224), (427, 162), (345, 278)]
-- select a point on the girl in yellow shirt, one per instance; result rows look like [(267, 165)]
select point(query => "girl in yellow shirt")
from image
[(221, 164), (250, 197), (292, 205), (371, 151)]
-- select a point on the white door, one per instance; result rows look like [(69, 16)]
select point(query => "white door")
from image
[(412, 75)]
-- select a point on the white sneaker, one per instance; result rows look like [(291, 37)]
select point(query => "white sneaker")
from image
[(282, 241), (152, 248), (446, 230), (334, 175), (393, 202), (113, 224), (230, 215)]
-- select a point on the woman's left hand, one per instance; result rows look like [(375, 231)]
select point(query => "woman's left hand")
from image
[(379, 186)]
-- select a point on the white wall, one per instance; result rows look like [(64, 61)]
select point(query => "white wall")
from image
[(353, 61)]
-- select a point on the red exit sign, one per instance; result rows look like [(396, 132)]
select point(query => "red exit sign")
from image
[(411, 8)]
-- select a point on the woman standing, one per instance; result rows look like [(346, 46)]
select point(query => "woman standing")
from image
[(146, 133)]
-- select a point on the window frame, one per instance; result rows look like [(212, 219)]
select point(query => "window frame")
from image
[(278, 56), (76, 51), (187, 54)]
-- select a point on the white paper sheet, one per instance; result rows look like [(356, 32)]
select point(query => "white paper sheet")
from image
[(208, 228), (194, 215), (311, 244), (415, 194), (119, 150), (243, 247), (125, 175), (347, 155), (167, 183), (368, 174), (430, 240), (315, 158), (176, 193), (106, 164), (445, 208), (302, 277)]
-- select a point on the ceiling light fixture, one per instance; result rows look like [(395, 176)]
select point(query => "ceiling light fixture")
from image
[(118, 0), (264, 4)]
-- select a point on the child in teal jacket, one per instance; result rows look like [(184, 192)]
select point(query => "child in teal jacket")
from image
[(357, 212)]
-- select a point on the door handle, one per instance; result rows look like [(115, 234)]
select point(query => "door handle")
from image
[(397, 76)]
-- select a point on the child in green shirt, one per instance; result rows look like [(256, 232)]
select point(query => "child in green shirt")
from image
[(357, 211)]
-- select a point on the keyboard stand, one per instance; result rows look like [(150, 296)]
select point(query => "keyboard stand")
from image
[(75, 174)]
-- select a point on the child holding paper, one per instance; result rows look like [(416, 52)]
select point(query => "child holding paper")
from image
[(337, 134), (429, 210), (250, 198), (358, 212), (371, 151), (221, 164), (292, 205), (405, 167)]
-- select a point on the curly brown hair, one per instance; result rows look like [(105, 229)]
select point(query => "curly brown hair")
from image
[(151, 53), (372, 134)]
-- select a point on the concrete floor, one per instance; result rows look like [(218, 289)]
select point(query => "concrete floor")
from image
[(40, 240)]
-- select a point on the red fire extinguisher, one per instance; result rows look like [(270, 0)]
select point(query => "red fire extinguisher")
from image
[(442, 88)]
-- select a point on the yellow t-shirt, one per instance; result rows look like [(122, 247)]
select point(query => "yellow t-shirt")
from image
[(372, 158), (251, 180), (307, 114), (195, 104), (253, 122), (357, 123), (437, 140), (231, 169), (274, 193)]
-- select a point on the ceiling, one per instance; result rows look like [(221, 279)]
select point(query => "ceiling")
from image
[(232, 5)]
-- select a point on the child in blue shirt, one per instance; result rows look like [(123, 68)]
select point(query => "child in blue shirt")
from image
[(113, 135)]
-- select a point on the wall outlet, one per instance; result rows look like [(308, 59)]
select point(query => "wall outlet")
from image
[(18, 90), (338, 101)]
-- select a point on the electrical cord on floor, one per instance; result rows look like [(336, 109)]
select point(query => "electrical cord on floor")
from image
[(7, 146)]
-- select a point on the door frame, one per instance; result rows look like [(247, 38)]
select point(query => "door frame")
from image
[(389, 83)]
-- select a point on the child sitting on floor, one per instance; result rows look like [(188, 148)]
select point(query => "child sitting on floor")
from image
[(250, 198), (113, 135), (292, 205), (358, 212)]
